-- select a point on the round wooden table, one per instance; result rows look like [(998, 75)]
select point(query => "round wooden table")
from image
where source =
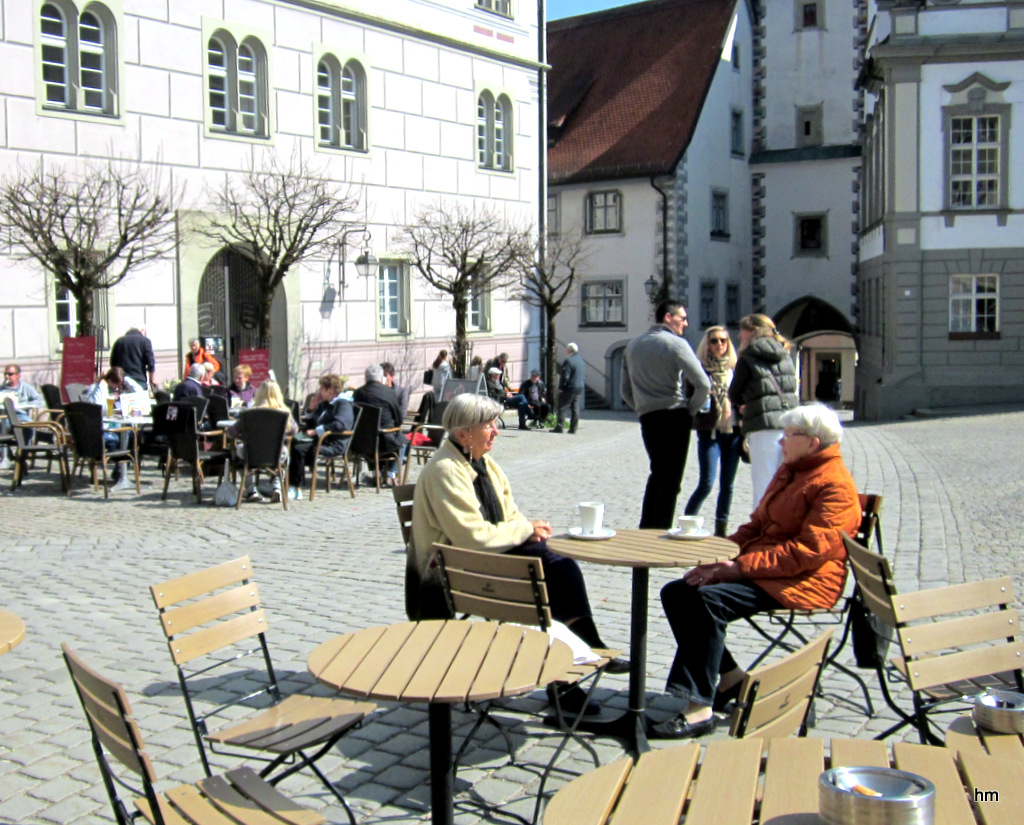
[(640, 550), (440, 663), (964, 736), (12, 631)]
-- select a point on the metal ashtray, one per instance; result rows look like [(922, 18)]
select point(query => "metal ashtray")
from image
[(875, 796), (1001, 711)]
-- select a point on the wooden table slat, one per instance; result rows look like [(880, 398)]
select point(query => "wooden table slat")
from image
[(376, 659), (558, 665), (450, 669), (335, 659), (791, 780), (645, 548), (12, 631), (403, 667), (589, 799), (1002, 777), (727, 783), (498, 660), (658, 787), (936, 764), (848, 753)]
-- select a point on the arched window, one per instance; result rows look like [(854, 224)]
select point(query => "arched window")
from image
[(53, 34), (236, 77), (78, 59), (494, 132), (341, 103)]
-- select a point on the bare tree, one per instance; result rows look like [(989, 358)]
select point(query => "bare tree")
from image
[(463, 251), (549, 285), (91, 227), (278, 214)]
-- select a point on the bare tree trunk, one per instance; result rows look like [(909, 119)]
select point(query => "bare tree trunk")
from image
[(460, 305), (266, 302), (86, 309)]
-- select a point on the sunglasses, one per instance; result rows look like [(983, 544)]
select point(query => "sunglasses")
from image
[(718, 340), (11, 373)]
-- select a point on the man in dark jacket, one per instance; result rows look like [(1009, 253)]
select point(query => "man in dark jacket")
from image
[(192, 385), (328, 412), (133, 353), (376, 393), (534, 391), (571, 387)]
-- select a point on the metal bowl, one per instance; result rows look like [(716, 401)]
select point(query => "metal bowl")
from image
[(875, 796), (1001, 711)]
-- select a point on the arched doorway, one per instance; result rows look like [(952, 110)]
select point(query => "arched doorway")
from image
[(227, 312), (827, 357)]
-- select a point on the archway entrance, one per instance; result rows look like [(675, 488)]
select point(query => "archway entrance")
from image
[(827, 350), (227, 312)]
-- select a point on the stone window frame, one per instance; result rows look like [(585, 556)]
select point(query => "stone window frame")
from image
[(799, 250), (800, 16), (605, 297), (607, 202), (233, 37), (720, 214), (495, 131), (402, 296), (810, 125), (338, 103), (972, 299), (708, 303)]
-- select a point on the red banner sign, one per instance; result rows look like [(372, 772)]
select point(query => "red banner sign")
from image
[(78, 365), (258, 360)]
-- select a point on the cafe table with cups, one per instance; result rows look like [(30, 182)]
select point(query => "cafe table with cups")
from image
[(685, 545), (796, 781)]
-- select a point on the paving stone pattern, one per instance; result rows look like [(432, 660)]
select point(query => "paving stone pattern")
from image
[(78, 570)]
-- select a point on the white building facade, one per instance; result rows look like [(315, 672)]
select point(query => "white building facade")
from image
[(408, 102), (941, 257)]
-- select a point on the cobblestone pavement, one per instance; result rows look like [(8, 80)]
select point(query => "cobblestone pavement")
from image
[(77, 570)]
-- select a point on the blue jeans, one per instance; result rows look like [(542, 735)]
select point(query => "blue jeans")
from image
[(521, 404), (714, 447), (698, 617)]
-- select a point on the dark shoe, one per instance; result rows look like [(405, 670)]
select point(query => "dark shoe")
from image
[(619, 665), (721, 527), (678, 728), (724, 697), (524, 426), (558, 430), (572, 432), (573, 699)]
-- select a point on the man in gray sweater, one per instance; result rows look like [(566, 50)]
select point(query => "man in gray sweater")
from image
[(654, 367)]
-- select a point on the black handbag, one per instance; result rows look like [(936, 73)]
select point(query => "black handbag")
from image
[(871, 636)]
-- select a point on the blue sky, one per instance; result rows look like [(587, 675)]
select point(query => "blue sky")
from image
[(568, 8)]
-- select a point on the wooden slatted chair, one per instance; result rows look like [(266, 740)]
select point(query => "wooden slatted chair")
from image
[(116, 739), (800, 623), (955, 641), (217, 611), (776, 700), (508, 588), (328, 461), (26, 449)]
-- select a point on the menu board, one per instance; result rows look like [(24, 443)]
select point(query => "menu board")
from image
[(258, 360), (78, 364)]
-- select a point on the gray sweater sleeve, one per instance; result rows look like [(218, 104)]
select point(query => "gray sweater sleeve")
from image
[(694, 372)]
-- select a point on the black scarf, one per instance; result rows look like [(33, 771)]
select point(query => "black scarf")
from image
[(490, 507)]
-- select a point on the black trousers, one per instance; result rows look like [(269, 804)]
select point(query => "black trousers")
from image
[(666, 435)]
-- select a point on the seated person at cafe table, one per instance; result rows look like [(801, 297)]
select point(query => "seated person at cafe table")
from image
[(464, 499), (376, 392), (240, 387), (790, 556), (111, 385), (268, 395), (327, 412), (192, 385)]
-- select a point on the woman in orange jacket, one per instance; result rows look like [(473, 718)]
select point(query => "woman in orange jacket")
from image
[(791, 555)]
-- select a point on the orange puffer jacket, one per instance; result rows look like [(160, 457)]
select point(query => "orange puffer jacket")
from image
[(791, 548)]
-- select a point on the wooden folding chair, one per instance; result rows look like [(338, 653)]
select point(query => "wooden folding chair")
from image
[(955, 641), (776, 700), (791, 621), (215, 611), (116, 738), (328, 461), (508, 588)]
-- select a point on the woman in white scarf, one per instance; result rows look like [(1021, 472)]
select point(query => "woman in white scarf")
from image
[(718, 437)]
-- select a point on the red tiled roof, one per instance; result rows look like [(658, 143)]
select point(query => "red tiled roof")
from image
[(627, 85)]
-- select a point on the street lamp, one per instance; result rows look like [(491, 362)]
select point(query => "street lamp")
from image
[(651, 287), (366, 263)]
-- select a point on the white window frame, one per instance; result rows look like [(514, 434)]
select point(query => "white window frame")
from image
[(341, 108), (393, 316), (242, 81), (603, 303), (501, 7), (708, 303), (88, 68), (737, 139), (974, 306), (495, 131), (478, 311), (102, 301), (554, 213), (602, 212), (720, 214), (64, 299), (979, 155)]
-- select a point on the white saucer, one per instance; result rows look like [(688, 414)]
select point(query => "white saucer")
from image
[(696, 535), (601, 535)]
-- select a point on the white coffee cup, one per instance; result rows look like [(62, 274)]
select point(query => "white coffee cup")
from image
[(591, 516), (688, 525)]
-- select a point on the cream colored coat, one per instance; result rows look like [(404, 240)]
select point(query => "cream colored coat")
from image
[(446, 509)]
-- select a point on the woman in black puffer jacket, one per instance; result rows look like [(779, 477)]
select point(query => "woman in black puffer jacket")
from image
[(763, 387)]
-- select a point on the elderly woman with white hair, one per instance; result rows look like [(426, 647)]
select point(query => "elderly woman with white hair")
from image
[(791, 556), (464, 499)]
